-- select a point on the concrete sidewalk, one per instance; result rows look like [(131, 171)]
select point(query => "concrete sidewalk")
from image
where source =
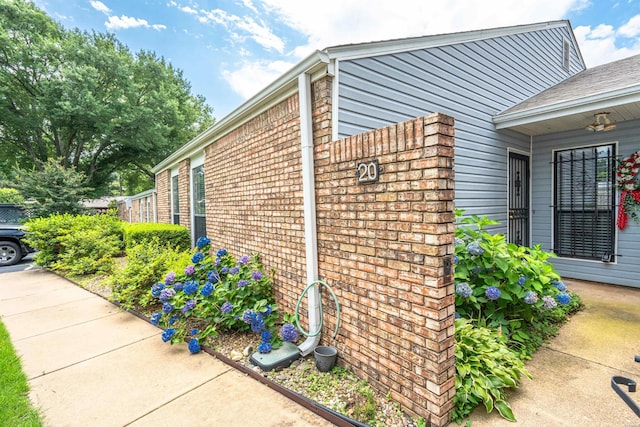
[(571, 383), (90, 364)]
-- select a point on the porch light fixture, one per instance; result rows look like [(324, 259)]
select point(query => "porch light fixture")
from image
[(601, 123)]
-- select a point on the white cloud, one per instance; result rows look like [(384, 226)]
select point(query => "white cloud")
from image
[(261, 34), (99, 6), (188, 10), (599, 46), (251, 77), (631, 28), (124, 22)]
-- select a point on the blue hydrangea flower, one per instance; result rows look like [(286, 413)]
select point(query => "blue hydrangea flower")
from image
[(207, 289), (548, 303), (243, 260), (167, 308), (289, 332), (464, 290), (166, 294), (493, 293), (257, 324), (248, 316), (477, 269), (173, 319), (256, 275), (264, 347), (456, 315), (458, 241), (225, 270), (268, 311), (226, 307), (170, 278), (522, 280), (202, 242), (242, 283), (194, 345), (189, 270), (234, 270), (456, 259), (563, 298), (474, 249), (189, 305), (265, 336), (191, 287), (194, 331), (221, 252), (156, 288), (178, 286), (213, 276), (168, 334), (559, 285), (197, 257), (531, 297), (155, 318)]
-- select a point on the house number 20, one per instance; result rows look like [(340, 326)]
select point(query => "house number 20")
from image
[(368, 172)]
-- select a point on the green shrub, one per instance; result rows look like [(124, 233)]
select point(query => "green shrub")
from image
[(76, 244), (172, 235), (485, 368), (146, 264), (10, 195)]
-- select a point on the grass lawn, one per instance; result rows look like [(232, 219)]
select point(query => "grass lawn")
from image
[(15, 406)]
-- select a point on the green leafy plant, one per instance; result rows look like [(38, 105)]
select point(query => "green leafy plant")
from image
[(485, 368), (170, 234)]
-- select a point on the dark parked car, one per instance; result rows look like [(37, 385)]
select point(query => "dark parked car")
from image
[(12, 246)]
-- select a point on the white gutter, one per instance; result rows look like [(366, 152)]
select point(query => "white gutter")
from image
[(309, 196)]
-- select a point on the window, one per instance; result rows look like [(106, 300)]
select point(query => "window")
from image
[(584, 199), (199, 220), (175, 199)]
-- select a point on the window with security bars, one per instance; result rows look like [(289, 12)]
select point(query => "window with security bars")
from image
[(175, 199), (199, 219), (584, 202)]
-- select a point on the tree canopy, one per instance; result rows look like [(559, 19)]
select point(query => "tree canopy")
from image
[(86, 100)]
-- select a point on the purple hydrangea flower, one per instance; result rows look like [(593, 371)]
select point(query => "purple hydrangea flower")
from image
[(289, 332), (243, 260), (197, 257), (166, 294), (548, 303), (265, 336), (256, 275), (189, 270), (202, 242), (522, 280), (559, 285), (170, 278), (243, 283), (156, 288), (168, 334), (221, 252), (224, 270), (464, 290), (207, 289), (194, 345), (189, 305), (531, 297), (234, 270), (191, 287), (155, 318), (226, 307), (213, 276), (564, 298), (167, 308), (178, 286), (493, 293), (264, 347), (474, 249)]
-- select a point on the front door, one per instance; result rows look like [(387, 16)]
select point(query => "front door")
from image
[(519, 199)]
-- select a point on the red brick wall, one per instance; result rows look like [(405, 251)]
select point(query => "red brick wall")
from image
[(184, 186), (382, 247), (163, 201)]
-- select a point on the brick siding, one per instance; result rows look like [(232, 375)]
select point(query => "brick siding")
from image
[(163, 202)]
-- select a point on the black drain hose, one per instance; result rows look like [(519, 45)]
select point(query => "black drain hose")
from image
[(631, 387)]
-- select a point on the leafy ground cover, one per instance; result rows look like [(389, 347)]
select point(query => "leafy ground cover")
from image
[(15, 407)]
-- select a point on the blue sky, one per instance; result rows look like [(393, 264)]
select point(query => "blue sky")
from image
[(231, 49)]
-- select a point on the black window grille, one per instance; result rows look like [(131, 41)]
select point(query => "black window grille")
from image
[(175, 199), (584, 202)]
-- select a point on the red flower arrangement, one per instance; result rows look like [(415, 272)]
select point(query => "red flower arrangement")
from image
[(630, 189)]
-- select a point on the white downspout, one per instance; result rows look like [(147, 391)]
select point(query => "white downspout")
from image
[(309, 197)]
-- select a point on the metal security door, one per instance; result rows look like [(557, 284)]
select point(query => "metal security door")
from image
[(519, 199)]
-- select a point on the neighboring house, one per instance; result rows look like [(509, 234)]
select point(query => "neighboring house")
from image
[(138, 208), (277, 176)]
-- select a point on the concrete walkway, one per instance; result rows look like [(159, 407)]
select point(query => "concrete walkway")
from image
[(571, 383), (90, 364)]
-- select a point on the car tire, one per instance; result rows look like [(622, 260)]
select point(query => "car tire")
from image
[(10, 254)]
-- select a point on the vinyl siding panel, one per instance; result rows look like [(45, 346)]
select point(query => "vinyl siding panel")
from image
[(624, 270), (469, 81)]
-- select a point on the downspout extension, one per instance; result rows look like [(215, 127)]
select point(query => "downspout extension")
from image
[(309, 197)]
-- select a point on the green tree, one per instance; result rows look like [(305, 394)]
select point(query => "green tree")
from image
[(53, 189), (85, 99)]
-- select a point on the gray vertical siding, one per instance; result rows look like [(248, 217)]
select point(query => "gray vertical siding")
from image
[(625, 270), (471, 82)]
